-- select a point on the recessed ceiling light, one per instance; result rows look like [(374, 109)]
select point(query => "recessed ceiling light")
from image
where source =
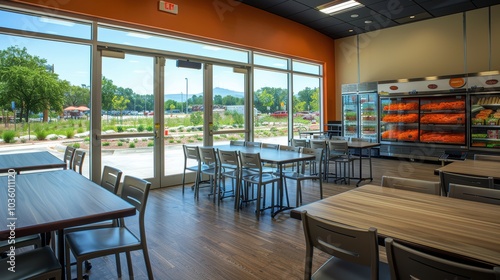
[(338, 6), (412, 17), (368, 21), (350, 30), (354, 15)]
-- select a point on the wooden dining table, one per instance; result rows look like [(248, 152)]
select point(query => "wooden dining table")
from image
[(480, 168), (30, 161), (454, 228), (55, 200)]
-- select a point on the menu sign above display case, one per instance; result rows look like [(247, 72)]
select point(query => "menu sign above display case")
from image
[(425, 85)]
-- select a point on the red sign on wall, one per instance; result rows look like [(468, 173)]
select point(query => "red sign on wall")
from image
[(169, 7)]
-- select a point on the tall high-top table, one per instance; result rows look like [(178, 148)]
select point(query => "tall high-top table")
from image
[(278, 157), (450, 227), (55, 200), (30, 161)]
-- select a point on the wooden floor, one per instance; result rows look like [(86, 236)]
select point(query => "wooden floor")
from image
[(190, 239)]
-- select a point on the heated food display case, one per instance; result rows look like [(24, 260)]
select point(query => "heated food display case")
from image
[(360, 111), (422, 118), (484, 91)]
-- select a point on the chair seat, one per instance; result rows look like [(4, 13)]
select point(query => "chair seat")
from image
[(266, 178), (299, 176), (100, 240), (32, 264), (338, 269)]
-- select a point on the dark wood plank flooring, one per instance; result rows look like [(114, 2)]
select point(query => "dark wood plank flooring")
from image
[(189, 239)]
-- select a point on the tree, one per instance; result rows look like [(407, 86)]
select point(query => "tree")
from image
[(120, 104), (76, 95), (26, 81), (108, 90), (266, 100)]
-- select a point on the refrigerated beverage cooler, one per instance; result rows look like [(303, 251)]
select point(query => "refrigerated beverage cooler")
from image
[(423, 118), (484, 91), (360, 111)]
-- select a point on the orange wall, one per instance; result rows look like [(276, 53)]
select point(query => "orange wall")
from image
[(219, 21)]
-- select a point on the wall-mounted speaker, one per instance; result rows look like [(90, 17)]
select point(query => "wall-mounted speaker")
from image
[(188, 64)]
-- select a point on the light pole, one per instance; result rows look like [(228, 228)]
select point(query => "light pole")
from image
[(187, 94)]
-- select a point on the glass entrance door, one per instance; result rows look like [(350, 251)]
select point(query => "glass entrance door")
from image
[(130, 115)]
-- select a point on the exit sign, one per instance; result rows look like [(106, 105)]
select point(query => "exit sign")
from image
[(169, 7)]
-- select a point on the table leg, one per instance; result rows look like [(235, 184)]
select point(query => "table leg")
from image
[(361, 166), (60, 251)]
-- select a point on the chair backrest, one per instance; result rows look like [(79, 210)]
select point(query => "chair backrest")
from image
[(289, 148), (251, 161), (359, 139), (253, 144), (408, 263), (415, 185), (69, 153), (486, 157), (229, 159), (318, 160), (135, 191), (299, 143), (318, 144), (448, 178), (237, 143), (339, 138), (491, 196), (270, 146), (110, 179), (208, 156), (338, 148), (78, 158), (191, 152), (350, 244)]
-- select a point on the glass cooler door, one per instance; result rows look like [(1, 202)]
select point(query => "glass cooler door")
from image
[(350, 115)]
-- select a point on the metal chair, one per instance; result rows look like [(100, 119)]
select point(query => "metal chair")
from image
[(484, 195), (270, 146), (237, 143), (208, 158), (230, 168), (252, 166), (486, 157), (338, 153), (253, 144), (299, 143), (191, 153), (408, 263), (69, 153), (362, 157), (321, 144), (300, 176), (78, 158), (94, 243), (415, 185), (40, 263), (447, 178), (354, 251)]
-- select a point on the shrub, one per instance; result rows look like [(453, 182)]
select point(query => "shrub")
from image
[(23, 140), (86, 139), (171, 141), (131, 145), (79, 130), (119, 128), (70, 133), (8, 136), (41, 134), (140, 128), (51, 138), (76, 145), (149, 128), (151, 144), (105, 143), (119, 144)]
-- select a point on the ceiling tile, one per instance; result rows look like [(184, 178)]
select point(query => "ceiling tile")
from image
[(314, 3), (263, 4), (288, 8), (308, 16), (325, 22), (417, 17)]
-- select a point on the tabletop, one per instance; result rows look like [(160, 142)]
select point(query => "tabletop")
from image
[(54, 200), (473, 167), (30, 161), (458, 228), (269, 155)]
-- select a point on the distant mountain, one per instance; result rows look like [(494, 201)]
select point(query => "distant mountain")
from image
[(217, 91)]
